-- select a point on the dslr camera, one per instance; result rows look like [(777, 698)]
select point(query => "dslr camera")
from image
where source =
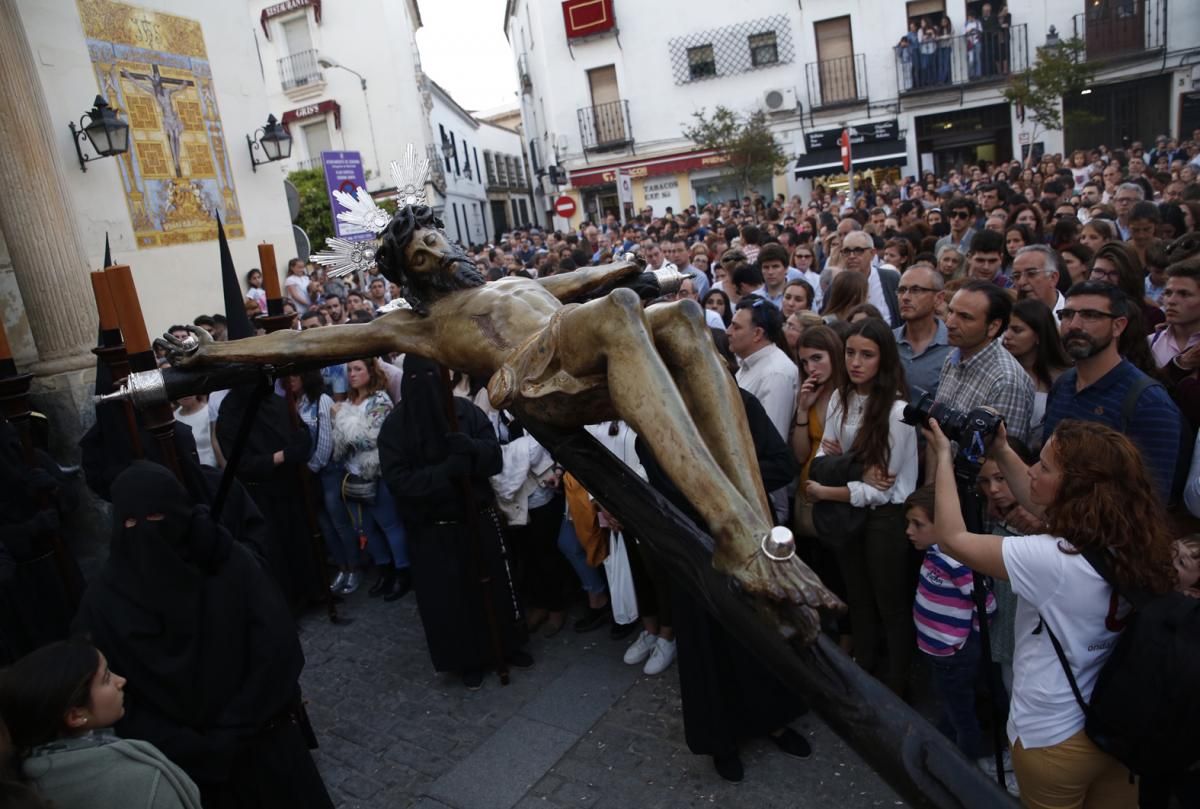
[(972, 431)]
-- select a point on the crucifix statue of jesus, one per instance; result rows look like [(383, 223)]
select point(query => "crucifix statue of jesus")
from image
[(570, 364)]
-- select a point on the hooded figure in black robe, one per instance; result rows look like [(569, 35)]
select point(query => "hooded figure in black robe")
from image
[(209, 649), (34, 605), (276, 488), (727, 694), (423, 466)]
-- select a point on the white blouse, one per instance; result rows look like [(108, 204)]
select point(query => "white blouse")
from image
[(903, 441)]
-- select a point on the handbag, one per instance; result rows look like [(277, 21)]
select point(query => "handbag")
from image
[(836, 522), (357, 489), (620, 581)]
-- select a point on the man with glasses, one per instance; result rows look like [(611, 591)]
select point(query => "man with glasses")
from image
[(961, 213), (922, 340), (1035, 275), (1128, 195), (857, 251), (1105, 388), (804, 261)]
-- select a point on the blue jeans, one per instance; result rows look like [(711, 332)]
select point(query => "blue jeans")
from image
[(341, 538), (386, 537), (955, 676), (568, 545)]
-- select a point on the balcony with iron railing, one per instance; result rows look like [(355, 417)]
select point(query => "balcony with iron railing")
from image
[(308, 163), (978, 57), (837, 82), (300, 70), (1122, 29), (605, 127)]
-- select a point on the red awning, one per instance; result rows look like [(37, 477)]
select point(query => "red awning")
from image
[(313, 110), (648, 167)]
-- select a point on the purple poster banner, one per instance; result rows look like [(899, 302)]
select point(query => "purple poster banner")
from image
[(344, 172)]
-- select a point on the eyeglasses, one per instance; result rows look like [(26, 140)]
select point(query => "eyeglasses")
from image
[(1105, 275), (1017, 276), (960, 215), (1088, 315), (903, 290), (854, 251)]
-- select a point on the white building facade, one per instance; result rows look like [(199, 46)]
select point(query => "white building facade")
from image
[(459, 178), (507, 175), (610, 84), (344, 76)]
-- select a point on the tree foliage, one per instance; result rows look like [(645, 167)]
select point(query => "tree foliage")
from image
[(754, 155), (1059, 71), (316, 217)]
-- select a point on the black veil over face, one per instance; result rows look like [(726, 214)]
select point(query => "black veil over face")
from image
[(423, 410), (164, 543)]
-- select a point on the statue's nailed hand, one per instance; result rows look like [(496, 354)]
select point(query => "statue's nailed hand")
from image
[(186, 351)]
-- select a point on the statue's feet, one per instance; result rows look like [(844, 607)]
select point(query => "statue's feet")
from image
[(786, 580)]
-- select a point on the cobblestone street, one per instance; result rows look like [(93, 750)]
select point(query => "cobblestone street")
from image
[(579, 729)]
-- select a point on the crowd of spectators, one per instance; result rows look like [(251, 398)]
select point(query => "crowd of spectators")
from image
[(1065, 296)]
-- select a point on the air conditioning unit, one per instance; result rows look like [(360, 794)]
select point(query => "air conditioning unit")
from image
[(779, 100)]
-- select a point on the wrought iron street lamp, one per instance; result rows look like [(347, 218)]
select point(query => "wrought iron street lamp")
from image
[(273, 141), (107, 133)]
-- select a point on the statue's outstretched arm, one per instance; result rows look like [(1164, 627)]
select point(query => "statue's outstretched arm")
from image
[(401, 331), (571, 286)]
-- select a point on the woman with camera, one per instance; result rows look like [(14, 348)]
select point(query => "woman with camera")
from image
[(865, 422), (1093, 491)]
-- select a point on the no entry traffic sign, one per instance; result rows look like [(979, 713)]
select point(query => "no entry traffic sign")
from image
[(564, 206)]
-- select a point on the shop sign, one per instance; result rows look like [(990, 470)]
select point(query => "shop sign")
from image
[(649, 168), (662, 194), (864, 133), (583, 18), (285, 7)]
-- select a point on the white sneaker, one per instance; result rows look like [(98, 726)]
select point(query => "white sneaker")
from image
[(339, 581), (661, 658), (641, 648)]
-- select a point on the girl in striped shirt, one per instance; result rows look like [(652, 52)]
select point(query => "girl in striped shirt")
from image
[(947, 626)]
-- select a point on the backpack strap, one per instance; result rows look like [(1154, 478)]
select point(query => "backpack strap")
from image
[(1129, 404), (1062, 658), (1102, 564)]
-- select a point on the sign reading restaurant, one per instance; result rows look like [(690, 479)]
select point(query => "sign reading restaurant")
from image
[(286, 7)]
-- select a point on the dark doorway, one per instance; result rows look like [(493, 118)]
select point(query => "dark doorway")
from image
[(951, 140), (1127, 111), (499, 218)]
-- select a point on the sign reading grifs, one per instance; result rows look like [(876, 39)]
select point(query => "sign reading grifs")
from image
[(344, 172), (177, 175)]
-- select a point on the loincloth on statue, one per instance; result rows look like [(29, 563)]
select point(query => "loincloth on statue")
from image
[(532, 377)]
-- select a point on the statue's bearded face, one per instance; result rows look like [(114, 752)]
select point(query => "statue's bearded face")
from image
[(433, 267), (426, 254)]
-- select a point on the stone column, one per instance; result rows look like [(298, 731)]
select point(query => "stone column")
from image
[(37, 215), (51, 270)]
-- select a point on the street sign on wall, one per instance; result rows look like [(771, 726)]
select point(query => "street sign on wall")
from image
[(344, 172), (564, 206)]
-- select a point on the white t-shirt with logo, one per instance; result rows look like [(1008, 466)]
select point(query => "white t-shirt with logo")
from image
[(1086, 617)]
